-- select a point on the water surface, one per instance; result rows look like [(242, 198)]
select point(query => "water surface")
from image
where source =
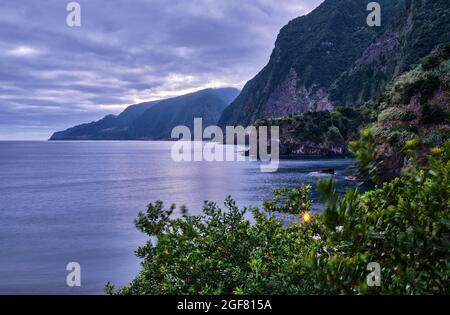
[(76, 201)]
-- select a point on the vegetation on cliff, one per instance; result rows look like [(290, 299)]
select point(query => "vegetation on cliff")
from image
[(415, 107), (320, 133), (331, 57), (414, 112), (422, 25)]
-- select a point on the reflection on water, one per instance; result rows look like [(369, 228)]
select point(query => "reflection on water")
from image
[(76, 201)]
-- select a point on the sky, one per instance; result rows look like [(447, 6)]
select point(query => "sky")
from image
[(53, 76)]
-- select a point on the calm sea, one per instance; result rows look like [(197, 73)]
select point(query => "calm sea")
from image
[(64, 202)]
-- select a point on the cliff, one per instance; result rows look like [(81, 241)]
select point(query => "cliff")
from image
[(332, 58)]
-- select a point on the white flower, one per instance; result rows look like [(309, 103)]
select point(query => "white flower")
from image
[(339, 229)]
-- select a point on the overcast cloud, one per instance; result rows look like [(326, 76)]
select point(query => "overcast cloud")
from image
[(53, 76)]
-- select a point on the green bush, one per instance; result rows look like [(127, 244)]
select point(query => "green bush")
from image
[(417, 82), (403, 226), (221, 252), (399, 137), (396, 113), (437, 138), (440, 54), (365, 152)]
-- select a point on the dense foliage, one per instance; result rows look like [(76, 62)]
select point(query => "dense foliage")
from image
[(324, 126), (422, 25), (322, 129), (403, 226), (365, 152), (416, 109)]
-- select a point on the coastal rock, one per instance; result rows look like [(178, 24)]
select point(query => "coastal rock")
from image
[(330, 171)]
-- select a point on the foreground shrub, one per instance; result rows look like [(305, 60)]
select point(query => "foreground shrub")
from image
[(403, 226), (365, 152)]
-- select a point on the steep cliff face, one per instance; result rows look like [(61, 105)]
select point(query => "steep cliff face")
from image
[(331, 57), (310, 53), (423, 25), (415, 107)]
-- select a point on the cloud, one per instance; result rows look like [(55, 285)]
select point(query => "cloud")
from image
[(23, 51), (53, 76)]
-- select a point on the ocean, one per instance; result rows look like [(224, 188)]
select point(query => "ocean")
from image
[(64, 202)]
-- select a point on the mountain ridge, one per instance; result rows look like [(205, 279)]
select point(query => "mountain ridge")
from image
[(154, 120)]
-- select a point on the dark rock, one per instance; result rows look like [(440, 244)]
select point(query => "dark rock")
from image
[(330, 171)]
